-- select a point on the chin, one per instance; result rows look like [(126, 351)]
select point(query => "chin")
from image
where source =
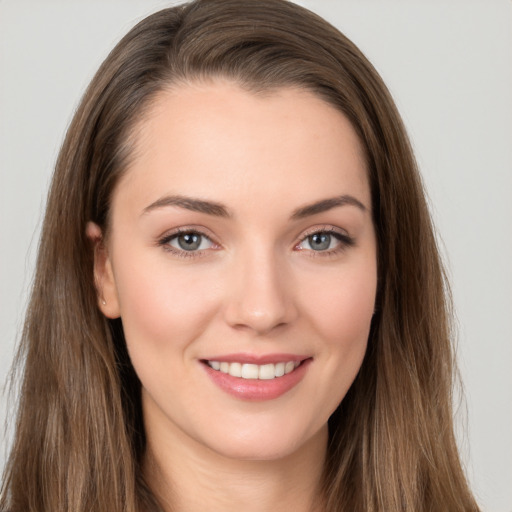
[(256, 446)]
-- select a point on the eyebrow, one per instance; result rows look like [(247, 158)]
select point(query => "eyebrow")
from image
[(189, 203), (219, 210), (325, 205)]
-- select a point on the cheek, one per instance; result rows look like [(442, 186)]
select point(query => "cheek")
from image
[(343, 309), (338, 310), (163, 306)]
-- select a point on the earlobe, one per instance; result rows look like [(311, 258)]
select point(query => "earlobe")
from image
[(104, 279)]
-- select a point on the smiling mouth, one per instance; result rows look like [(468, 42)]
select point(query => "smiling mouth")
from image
[(254, 371)]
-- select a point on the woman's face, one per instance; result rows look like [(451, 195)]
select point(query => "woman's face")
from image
[(242, 261)]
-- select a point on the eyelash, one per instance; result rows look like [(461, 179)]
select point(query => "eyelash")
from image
[(164, 242), (345, 241)]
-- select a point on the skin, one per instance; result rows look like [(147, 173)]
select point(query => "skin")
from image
[(257, 285)]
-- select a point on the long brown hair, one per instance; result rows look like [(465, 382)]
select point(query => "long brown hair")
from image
[(79, 438)]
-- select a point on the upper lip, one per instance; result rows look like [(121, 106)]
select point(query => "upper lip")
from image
[(258, 359)]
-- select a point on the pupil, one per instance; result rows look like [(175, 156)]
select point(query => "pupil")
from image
[(189, 241), (320, 241)]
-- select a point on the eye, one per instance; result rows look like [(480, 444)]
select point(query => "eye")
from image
[(189, 241), (325, 241), (320, 241)]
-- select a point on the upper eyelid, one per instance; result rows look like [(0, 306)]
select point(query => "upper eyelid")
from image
[(324, 229), (171, 233)]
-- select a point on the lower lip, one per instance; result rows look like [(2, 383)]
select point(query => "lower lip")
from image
[(257, 389)]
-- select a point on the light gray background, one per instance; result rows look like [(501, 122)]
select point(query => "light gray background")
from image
[(449, 66)]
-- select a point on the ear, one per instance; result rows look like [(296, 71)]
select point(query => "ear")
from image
[(104, 279)]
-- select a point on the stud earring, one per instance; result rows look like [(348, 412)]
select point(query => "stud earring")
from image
[(104, 302)]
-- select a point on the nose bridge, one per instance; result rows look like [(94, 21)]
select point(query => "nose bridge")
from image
[(260, 298)]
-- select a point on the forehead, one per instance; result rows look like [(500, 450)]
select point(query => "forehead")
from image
[(217, 138)]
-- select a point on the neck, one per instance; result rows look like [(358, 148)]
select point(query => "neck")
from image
[(188, 477)]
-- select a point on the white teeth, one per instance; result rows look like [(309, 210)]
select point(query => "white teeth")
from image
[(254, 371), (235, 369), (289, 367), (249, 371), (267, 371), (279, 369)]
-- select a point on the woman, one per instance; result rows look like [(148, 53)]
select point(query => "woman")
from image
[(230, 307)]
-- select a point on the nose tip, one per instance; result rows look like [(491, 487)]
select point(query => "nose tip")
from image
[(261, 299), (257, 319)]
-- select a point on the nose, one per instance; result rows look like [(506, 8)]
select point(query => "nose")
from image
[(261, 296)]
